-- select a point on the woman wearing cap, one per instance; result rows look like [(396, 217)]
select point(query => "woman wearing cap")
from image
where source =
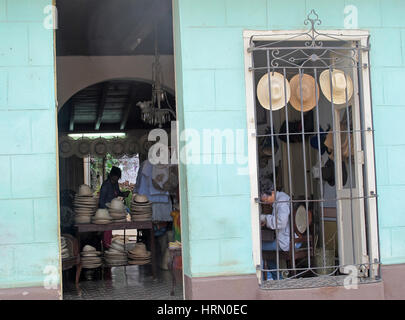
[(278, 219)]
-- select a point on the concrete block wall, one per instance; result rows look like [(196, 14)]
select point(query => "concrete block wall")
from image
[(210, 47), (28, 181)]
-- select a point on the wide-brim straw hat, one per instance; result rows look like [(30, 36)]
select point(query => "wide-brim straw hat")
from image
[(99, 147), (102, 214), (101, 221), (66, 147), (82, 219), (83, 147), (89, 248), (341, 83), (140, 250), (309, 89), (132, 146), (117, 147), (140, 199), (280, 91), (84, 191), (115, 204), (145, 144)]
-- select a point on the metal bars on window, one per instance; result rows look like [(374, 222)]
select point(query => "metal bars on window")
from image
[(316, 54)]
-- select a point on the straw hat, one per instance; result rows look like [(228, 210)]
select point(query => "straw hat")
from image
[(145, 144), (102, 214), (116, 205), (308, 92), (141, 199), (88, 248), (85, 191), (117, 147), (66, 147), (340, 82), (278, 99), (83, 147), (132, 146), (82, 219), (99, 147), (140, 251)]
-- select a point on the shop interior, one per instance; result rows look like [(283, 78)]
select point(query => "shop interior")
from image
[(302, 156), (115, 84)]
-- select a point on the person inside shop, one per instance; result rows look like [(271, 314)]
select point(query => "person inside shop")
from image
[(110, 188), (278, 219)]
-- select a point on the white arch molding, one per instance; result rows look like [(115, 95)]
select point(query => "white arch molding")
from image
[(75, 73)]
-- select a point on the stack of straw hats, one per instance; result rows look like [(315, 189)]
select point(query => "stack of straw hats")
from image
[(64, 247), (141, 208), (101, 217), (84, 204), (139, 255), (90, 257), (116, 255), (117, 210)]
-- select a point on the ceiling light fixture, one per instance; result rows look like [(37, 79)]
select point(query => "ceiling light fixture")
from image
[(152, 112)]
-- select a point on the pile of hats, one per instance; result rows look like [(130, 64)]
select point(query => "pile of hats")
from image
[(116, 255), (139, 255), (90, 257), (117, 210), (141, 208), (84, 204), (65, 249), (101, 217)]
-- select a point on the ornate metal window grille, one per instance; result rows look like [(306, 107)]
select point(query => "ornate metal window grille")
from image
[(311, 53)]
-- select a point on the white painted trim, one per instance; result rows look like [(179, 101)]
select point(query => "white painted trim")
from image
[(348, 35), (252, 156)]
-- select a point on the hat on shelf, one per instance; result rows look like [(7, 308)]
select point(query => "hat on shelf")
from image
[(141, 208), (139, 255), (280, 91), (101, 217), (90, 258), (306, 85), (340, 83), (85, 191)]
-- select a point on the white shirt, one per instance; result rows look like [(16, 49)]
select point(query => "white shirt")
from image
[(282, 223)]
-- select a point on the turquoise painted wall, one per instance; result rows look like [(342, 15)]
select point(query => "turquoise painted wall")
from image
[(28, 196), (210, 48)]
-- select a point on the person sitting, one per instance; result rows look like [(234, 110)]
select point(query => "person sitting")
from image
[(277, 220)]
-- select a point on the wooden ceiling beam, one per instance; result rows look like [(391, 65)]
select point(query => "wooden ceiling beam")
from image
[(101, 105), (130, 104)]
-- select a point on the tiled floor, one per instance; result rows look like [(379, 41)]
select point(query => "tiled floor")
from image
[(126, 283)]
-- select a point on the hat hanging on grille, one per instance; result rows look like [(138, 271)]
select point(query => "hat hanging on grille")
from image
[(309, 89), (341, 83), (280, 87)]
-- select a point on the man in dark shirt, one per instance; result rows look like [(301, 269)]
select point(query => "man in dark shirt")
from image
[(110, 188)]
